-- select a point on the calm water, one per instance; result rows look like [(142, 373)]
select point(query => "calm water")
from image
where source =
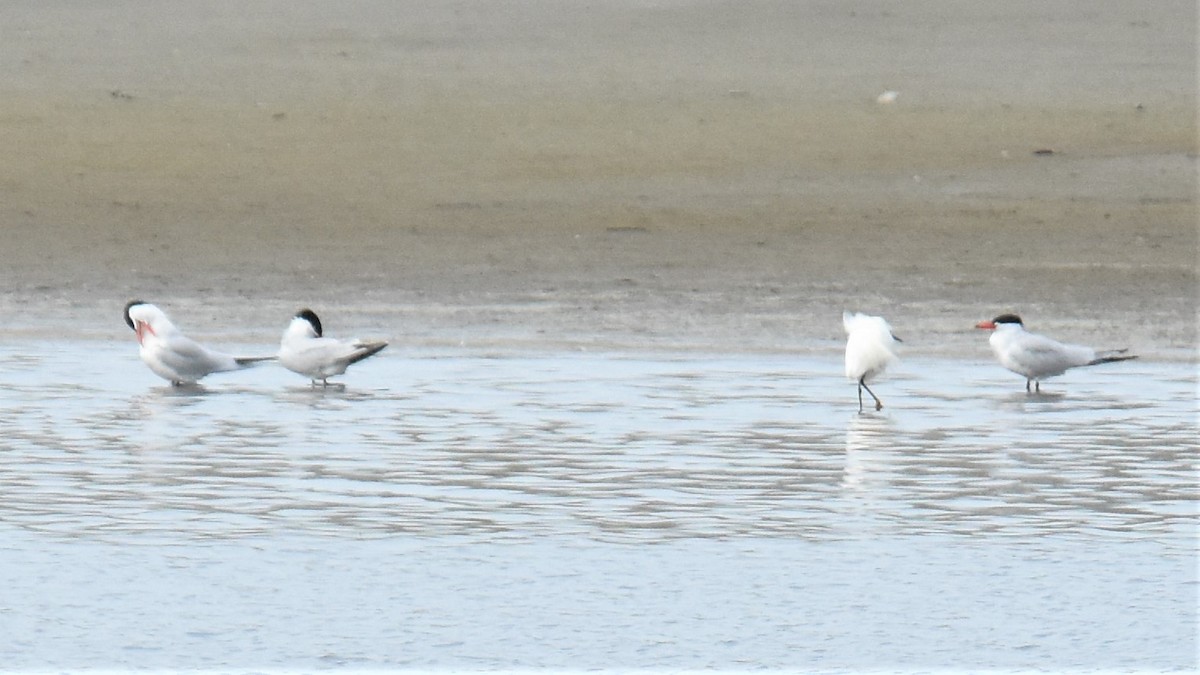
[(516, 511)]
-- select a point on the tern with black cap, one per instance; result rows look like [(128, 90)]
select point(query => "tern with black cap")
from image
[(174, 356), (1037, 357), (305, 350)]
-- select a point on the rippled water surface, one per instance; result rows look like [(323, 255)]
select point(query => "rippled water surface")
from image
[(518, 510)]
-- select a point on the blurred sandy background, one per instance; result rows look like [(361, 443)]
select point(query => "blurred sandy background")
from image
[(682, 174)]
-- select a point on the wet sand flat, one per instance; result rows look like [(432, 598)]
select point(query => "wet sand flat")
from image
[(695, 174)]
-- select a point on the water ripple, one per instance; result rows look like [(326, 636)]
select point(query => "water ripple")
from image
[(611, 447)]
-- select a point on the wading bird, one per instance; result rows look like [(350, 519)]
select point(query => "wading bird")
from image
[(306, 351), (174, 356), (1038, 357), (870, 349)]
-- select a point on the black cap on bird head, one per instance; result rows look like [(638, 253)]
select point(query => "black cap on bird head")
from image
[(131, 303), (1008, 318), (311, 317)]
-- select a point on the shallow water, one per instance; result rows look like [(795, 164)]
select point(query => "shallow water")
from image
[(517, 510)]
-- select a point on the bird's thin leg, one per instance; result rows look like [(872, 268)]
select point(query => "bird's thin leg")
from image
[(878, 403), (1027, 384), (1037, 386)]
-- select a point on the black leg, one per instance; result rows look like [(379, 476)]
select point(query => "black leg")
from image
[(878, 403)]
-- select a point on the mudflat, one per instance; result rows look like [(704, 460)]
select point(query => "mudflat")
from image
[(650, 174)]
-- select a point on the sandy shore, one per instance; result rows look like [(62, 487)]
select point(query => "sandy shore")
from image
[(635, 173)]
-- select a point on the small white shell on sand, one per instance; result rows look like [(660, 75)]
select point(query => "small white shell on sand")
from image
[(888, 96)]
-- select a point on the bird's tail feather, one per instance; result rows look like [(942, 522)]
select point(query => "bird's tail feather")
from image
[(368, 349), (251, 361), (1111, 356)]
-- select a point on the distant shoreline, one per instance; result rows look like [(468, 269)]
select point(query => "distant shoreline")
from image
[(660, 175)]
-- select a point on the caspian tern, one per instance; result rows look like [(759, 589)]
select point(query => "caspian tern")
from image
[(1037, 356), (870, 348), (306, 351), (172, 355)]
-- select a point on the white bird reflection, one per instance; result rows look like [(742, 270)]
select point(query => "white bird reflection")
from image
[(869, 439)]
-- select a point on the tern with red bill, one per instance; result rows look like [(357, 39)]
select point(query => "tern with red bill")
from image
[(870, 349), (305, 350), (1038, 357), (172, 355)]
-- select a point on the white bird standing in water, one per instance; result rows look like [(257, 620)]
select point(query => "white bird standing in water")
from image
[(1038, 357), (172, 355), (306, 351), (870, 349)]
